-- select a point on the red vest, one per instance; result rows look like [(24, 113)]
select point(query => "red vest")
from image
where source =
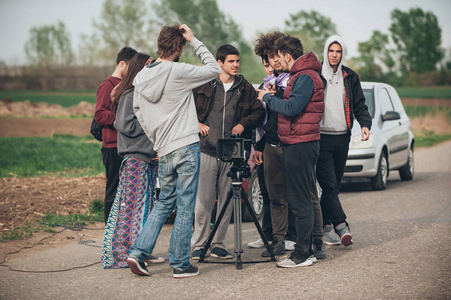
[(304, 127)]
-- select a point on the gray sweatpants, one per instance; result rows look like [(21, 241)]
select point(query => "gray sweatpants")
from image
[(213, 180)]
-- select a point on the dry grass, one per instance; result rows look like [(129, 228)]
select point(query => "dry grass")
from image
[(439, 123)]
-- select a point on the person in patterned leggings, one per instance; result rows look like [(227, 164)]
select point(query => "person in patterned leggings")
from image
[(136, 192)]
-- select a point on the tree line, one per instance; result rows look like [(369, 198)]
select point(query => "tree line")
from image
[(409, 53)]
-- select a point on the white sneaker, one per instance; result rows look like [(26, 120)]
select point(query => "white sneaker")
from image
[(292, 261), (289, 245), (312, 258), (257, 244), (156, 259)]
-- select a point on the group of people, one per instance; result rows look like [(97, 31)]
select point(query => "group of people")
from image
[(163, 119)]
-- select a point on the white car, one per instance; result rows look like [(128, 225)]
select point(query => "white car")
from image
[(391, 143)]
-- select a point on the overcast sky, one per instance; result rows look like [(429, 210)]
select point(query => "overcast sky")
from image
[(355, 19)]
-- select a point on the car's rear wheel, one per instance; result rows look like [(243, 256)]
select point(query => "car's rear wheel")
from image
[(255, 198), (379, 182), (406, 172)]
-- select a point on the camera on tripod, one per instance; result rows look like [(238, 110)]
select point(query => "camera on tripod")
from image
[(232, 149)]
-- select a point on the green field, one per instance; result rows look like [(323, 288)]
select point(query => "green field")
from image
[(64, 98), (68, 98), (425, 92), (422, 111), (62, 155)]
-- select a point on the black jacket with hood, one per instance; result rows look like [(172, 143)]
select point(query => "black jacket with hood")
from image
[(249, 111)]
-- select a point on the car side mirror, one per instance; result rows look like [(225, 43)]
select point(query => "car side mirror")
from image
[(391, 115)]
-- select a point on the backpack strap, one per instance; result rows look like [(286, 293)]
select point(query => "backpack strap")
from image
[(110, 82)]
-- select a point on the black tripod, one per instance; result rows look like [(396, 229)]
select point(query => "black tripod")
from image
[(236, 192)]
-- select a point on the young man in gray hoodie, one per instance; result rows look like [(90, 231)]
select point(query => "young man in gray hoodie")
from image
[(344, 100), (164, 105)]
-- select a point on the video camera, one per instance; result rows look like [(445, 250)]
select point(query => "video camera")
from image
[(232, 149)]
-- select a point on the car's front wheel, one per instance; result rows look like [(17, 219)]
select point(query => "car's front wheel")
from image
[(406, 172), (379, 182), (255, 198)]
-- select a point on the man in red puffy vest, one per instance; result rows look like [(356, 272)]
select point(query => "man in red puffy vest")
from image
[(300, 112)]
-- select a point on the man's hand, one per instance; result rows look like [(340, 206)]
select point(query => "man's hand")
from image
[(155, 158), (186, 32), (204, 129), (238, 129), (263, 92), (257, 157), (365, 134)]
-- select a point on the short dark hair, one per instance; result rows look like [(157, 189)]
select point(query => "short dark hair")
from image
[(170, 40), (265, 44), (135, 65), (290, 45), (126, 54), (225, 50)]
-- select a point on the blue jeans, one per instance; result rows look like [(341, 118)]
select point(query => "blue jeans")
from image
[(179, 177)]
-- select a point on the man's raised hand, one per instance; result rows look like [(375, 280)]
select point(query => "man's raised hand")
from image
[(186, 32)]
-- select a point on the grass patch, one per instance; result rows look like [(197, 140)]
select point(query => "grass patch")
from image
[(64, 98), (51, 220), (19, 233), (424, 92), (60, 155), (429, 139)]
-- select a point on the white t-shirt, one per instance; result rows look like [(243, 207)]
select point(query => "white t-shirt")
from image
[(227, 86)]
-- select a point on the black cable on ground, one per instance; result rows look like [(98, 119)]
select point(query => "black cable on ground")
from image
[(70, 226)]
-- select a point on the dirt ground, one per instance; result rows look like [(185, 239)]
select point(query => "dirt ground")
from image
[(25, 199)]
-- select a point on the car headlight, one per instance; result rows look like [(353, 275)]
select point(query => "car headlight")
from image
[(357, 143)]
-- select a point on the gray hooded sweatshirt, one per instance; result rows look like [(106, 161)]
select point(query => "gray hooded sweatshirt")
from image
[(334, 118), (163, 100), (131, 139)]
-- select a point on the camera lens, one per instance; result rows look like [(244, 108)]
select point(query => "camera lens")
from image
[(232, 149)]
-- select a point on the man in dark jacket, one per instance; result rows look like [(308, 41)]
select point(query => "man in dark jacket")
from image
[(226, 105), (300, 112), (269, 150), (343, 100), (278, 223)]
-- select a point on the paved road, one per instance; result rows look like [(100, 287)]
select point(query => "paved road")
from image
[(401, 251)]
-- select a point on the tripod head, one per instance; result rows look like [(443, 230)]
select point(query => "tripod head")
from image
[(239, 170)]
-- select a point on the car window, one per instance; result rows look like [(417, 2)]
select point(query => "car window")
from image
[(369, 100), (384, 101), (396, 100)]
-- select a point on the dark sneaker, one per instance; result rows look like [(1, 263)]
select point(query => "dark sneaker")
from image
[(137, 267), (293, 261), (195, 255), (220, 253), (328, 236), (155, 259), (278, 249), (344, 233), (190, 272), (319, 249)]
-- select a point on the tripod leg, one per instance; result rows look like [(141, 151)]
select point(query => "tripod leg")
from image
[(257, 225), (237, 225), (215, 227)]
